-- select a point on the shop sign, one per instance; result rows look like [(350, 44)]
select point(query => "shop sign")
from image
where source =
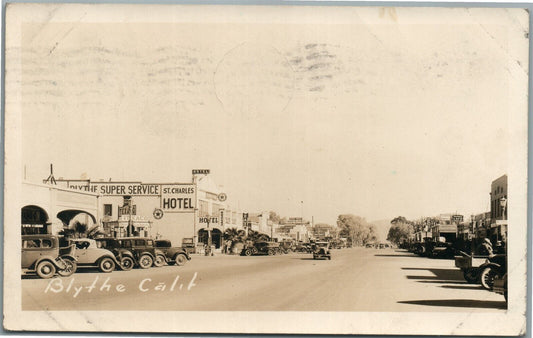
[(125, 210), (178, 197), (201, 171), (120, 189), (210, 220)]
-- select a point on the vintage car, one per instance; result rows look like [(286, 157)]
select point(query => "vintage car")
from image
[(261, 248), (90, 255), (286, 247), (124, 256), (41, 254), (144, 251), (173, 255), (500, 285), (321, 250)]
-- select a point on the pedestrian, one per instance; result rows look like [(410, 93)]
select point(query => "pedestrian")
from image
[(485, 248)]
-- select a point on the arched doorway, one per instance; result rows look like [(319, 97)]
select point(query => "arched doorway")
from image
[(66, 216), (34, 220), (216, 237), (76, 222)]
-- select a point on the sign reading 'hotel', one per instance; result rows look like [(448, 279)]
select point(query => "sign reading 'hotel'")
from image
[(177, 197)]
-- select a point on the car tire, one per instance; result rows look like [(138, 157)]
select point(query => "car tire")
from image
[(487, 278), (181, 259), (159, 261), (127, 263), (70, 268), (106, 265), (271, 252), (470, 276), (145, 261), (329, 257), (45, 269), (248, 252)]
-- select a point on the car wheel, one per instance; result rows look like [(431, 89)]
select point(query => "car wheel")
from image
[(329, 257), (270, 252), (127, 263), (45, 269), (248, 252), (106, 265), (70, 268), (470, 276), (145, 262), (487, 278), (181, 260), (159, 261)]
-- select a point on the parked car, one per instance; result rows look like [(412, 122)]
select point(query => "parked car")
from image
[(90, 255), (188, 245), (41, 254), (173, 255), (303, 247), (261, 248), (124, 256), (321, 250), (500, 285), (144, 251), (470, 265), (286, 247), (494, 268)]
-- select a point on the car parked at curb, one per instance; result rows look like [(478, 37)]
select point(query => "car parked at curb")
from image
[(124, 256), (261, 248), (41, 254), (89, 255), (144, 251), (173, 255)]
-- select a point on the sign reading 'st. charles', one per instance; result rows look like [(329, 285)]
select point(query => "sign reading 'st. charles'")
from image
[(178, 197)]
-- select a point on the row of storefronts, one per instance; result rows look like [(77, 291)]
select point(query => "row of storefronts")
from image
[(491, 224), (180, 212), (185, 213)]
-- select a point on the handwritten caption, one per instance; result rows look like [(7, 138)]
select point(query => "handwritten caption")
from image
[(57, 285)]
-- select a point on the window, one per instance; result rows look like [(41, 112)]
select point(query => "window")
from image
[(203, 208), (108, 209), (30, 244)]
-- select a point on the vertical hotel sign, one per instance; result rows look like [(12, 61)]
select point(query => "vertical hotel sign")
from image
[(178, 197)]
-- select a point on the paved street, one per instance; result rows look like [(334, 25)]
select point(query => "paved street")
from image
[(357, 279)]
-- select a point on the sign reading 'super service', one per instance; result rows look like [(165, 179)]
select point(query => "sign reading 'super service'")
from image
[(178, 197), (119, 189)]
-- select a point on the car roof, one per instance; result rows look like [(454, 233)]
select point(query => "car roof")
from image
[(38, 236)]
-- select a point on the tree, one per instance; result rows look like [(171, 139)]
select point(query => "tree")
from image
[(274, 217), (80, 229), (401, 229), (232, 236), (356, 229)]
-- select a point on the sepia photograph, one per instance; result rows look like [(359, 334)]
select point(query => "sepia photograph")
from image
[(273, 169)]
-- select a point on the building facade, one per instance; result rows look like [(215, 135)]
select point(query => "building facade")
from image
[(180, 212), (49, 208)]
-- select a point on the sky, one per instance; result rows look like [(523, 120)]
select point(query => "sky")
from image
[(304, 116)]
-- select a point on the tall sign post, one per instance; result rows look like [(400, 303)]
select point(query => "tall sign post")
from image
[(194, 181), (209, 241), (245, 223)]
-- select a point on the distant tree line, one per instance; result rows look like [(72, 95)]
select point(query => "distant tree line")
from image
[(356, 229), (401, 229)]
